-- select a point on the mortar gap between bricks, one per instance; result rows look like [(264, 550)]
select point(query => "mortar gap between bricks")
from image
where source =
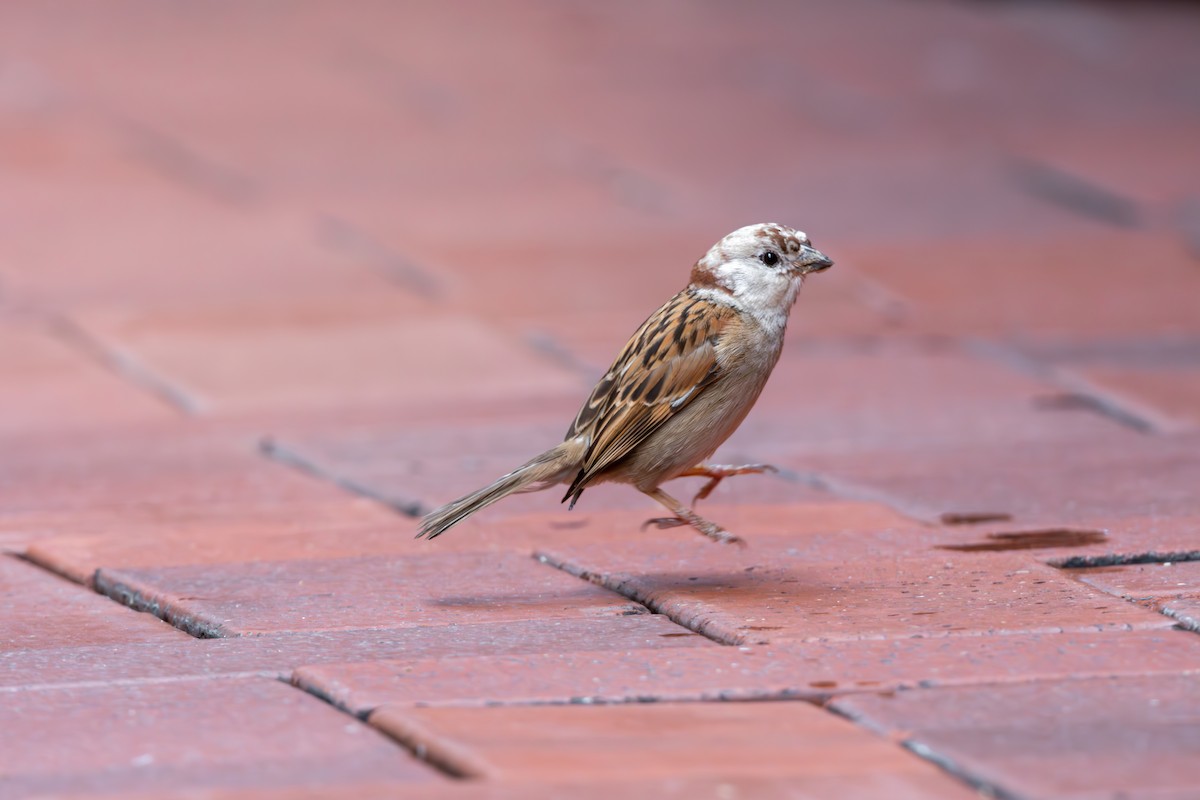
[(1089, 562), (364, 718), (28, 559), (1075, 394), (1121, 560), (1096, 403), (849, 490), (175, 160), (444, 757), (1076, 194), (347, 239), (579, 700), (131, 598), (951, 768), (285, 456), (549, 347), (145, 681), (925, 753), (127, 598), (1184, 624), (124, 366), (786, 695), (649, 603), (293, 680)]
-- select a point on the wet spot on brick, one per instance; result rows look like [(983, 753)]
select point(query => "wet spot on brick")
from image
[(973, 517), (1030, 540)]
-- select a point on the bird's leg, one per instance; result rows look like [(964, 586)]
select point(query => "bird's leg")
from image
[(718, 472), (685, 516)]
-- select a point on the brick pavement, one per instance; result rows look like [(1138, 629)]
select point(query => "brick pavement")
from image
[(275, 278)]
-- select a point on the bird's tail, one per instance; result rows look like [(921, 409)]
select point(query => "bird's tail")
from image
[(540, 472)]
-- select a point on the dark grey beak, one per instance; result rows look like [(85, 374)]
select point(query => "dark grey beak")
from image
[(813, 260)]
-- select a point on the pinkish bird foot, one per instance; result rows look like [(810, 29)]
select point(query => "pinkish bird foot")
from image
[(719, 472)]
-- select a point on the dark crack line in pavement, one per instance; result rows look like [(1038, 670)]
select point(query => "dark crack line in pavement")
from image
[(190, 624)]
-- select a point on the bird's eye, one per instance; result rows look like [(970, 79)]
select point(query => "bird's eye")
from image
[(769, 257)]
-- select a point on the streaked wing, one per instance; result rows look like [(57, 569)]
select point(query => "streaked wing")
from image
[(669, 361)]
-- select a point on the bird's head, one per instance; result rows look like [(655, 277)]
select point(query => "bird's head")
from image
[(761, 265)]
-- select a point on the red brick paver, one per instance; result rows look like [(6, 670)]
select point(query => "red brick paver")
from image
[(775, 595), (654, 741), (1087, 738), (264, 596), (277, 278), (214, 732)]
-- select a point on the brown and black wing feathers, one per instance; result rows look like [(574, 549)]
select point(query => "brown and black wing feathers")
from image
[(669, 361)]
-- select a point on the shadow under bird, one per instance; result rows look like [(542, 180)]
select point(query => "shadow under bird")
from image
[(680, 387)]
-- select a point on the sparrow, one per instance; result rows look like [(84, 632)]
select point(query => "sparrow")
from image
[(682, 384)]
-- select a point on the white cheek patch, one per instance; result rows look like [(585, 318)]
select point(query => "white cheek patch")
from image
[(738, 278), (766, 294)]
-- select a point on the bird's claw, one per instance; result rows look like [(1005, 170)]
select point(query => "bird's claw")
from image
[(711, 531), (724, 537), (662, 523)]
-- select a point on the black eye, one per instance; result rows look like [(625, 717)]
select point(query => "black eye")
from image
[(769, 257)]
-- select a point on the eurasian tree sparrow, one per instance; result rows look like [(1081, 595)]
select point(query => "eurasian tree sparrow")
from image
[(679, 388)]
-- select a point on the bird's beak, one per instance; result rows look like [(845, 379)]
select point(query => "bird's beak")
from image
[(813, 260)]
